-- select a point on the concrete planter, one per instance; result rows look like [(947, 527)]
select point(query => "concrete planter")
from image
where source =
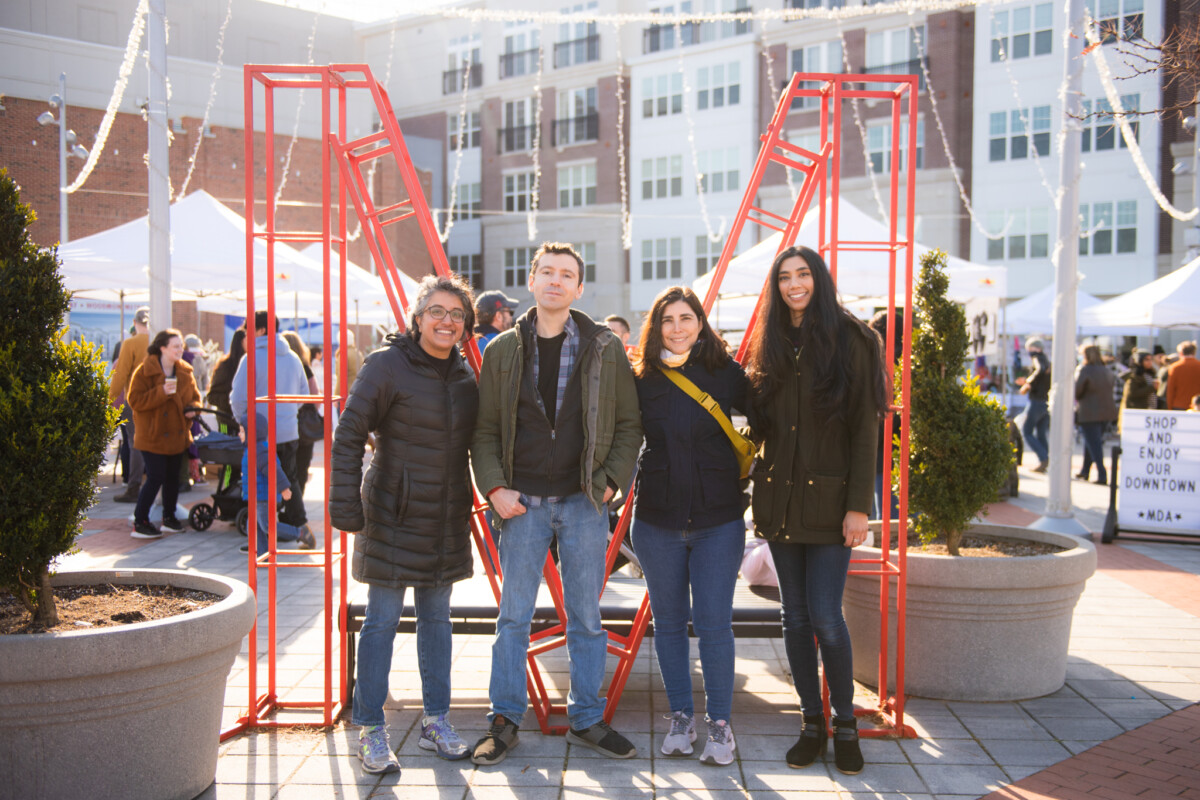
[(977, 628), (125, 712)]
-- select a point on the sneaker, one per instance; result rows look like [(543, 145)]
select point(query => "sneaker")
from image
[(375, 751), (719, 749), (172, 524), (604, 740), (493, 748), (145, 530), (847, 756), (438, 734), (811, 744), (1042, 467), (309, 542), (678, 742)]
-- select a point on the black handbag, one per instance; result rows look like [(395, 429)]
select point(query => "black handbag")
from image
[(311, 424)]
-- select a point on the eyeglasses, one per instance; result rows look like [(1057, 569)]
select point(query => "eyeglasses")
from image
[(437, 312)]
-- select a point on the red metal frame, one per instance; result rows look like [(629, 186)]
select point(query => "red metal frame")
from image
[(334, 83)]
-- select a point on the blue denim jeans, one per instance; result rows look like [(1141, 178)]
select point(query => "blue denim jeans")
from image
[(706, 562), (811, 580), (582, 533), (1093, 450), (1036, 428), (283, 531), (384, 607)]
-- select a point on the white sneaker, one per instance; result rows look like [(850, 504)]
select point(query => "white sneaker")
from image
[(375, 751), (678, 741), (719, 748)]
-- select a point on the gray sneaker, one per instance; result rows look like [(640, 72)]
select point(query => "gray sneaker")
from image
[(678, 742), (307, 540), (603, 739), (438, 734), (375, 751), (719, 749)]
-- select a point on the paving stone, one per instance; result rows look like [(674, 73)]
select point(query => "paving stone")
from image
[(960, 779)]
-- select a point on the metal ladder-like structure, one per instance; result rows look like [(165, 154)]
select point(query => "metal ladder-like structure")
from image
[(336, 83)]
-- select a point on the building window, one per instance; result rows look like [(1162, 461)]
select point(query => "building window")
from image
[(462, 57), (995, 247), (521, 49), (825, 57), (468, 200), (518, 191), (879, 146), (719, 170), (577, 185), (708, 253), (577, 43), (1026, 234), (1100, 132), (662, 259), (1011, 132), (1118, 19), (1101, 229), (471, 132), (662, 95), (662, 177), (470, 267), (587, 251), (516, 266), (718, 86), (1023, 31), (577, 118), (518, 131)]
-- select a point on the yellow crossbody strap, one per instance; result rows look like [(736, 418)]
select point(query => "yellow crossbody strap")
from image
[(706, 401)]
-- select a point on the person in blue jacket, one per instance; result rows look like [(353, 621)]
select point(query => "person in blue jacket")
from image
[(283, 490)]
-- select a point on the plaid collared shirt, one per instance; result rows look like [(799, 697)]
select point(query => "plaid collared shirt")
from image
[(566, 362)]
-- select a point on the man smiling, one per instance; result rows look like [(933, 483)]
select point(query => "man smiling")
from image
[(558, 432)]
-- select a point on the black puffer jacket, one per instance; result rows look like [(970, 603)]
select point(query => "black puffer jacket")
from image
[(414, 506)]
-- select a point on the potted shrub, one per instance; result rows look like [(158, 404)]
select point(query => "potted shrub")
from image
[(976, 628), (126, 711)]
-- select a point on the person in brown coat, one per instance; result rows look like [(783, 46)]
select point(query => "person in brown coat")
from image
[(1095, 408), (1183, 378), (161, 388)]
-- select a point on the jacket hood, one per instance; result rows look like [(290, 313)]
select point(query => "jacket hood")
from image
[(260, 342)]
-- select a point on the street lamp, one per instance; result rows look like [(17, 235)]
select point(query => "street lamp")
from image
[(67, 146)]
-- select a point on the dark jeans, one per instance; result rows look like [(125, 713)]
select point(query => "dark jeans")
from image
[(1093, 450), (123, 453), (304, 455), (1036, 428), (293, 509), (812, 578), (162, 472)]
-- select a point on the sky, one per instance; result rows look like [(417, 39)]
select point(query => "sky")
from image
[(363, 10)]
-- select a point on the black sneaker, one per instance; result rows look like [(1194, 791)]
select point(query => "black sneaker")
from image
[(145, 530), (172, 524), (604, 740), (493, 748), (847, 756), (811, 744)]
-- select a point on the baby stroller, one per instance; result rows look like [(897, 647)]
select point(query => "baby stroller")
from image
[(225, 448)]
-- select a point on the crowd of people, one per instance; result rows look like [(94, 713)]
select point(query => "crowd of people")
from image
[(565, 412)]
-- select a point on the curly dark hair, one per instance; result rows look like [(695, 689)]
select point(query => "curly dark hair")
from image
[(711, 347), (451, 284)]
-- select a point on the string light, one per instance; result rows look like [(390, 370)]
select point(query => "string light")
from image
[(114, 102), (536, 194), (444, 234), (212, 96), (622, 168), (387, 81), (1119, 115), (713, 236), (287, 161), (862, 129), (766, 52)]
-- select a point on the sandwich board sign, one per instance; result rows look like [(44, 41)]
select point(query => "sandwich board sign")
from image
[(1157, 486)]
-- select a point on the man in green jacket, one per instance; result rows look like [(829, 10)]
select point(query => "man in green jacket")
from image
[(558, 433)]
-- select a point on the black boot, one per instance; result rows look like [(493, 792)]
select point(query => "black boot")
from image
[(811, 743), (847, 756)]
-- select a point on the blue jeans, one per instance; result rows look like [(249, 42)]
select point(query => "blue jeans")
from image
[(1036, 428), (706, 560), (811, 580), (283, 531), (384, 607), (1093, 450), (582, 533)]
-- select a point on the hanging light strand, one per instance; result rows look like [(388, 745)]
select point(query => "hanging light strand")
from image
[(622, 166), (701, 195), (536, 193), (387, 81), (766, 53), (287, 160), (862, 130), (212, 96), (136, 30)]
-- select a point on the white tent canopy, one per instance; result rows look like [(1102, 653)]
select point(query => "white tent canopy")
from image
[(1172, 301), (1035, 313), (859, 274)]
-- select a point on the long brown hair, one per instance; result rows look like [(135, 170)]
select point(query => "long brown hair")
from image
[(710, 347)]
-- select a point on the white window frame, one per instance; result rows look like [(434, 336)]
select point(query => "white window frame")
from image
[(662, 95), (718, 85), (879, 146), (662, 177), (516, 266), (1021, 32), (662, 259), (517, 198), (472, 133), (577, 184), (719, 170)]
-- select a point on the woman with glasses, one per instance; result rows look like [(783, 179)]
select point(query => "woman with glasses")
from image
[(419, 398)]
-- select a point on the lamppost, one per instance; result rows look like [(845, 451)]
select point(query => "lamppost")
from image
[(66, 139)]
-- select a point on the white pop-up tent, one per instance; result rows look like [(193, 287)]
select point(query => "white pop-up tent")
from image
[(859, 274), (1172, 301), (1035, 313)]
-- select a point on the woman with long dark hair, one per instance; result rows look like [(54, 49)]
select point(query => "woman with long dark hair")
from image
[(820, 390), (222, 380), (687, 526)]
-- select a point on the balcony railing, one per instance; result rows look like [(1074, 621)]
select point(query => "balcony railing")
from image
[(515, 139), (515, 64), (815, 3), (910, 67), (662, 37), (577, 129), (452, 79), (577, 51)]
